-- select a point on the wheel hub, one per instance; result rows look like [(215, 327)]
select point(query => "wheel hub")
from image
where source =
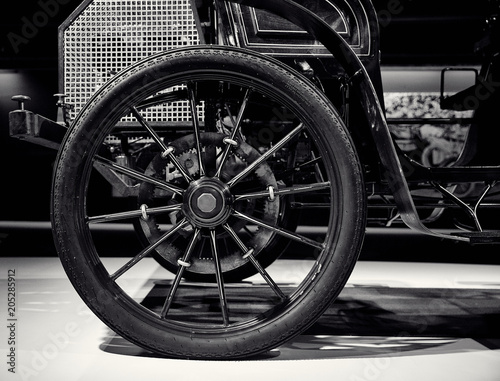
[(207, 203)]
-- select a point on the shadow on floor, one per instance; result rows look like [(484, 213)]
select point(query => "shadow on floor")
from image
[(378, 321)]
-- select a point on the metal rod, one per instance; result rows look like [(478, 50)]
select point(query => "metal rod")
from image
[(254, 262), (137, 175), (280, 231), (196, 127), (285, 191), (430, 120), (133, 214), (148, 250), (460, 203), (265, 156), (481, 197), (180, 272), (236, 128), (220, 280), (168, 151)]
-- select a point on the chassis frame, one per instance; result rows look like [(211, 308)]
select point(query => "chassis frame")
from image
[(388, 166)]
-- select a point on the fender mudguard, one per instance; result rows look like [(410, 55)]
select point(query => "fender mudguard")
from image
[(367, 95)]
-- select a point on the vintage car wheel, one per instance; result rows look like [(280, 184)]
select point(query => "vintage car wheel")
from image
[(276, 136)]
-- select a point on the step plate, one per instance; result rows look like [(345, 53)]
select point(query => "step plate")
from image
[(485, 237)]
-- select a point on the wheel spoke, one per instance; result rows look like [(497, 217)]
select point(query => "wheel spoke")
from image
[(220, 280), (265, 156), (167, 151), (149, 129), (196, 127), (236, 129), (280, 231), (183, 264), (148, 250), (137, 175), (319, 174), (133, 214), (309, 205), (248, 253), (285, 191)]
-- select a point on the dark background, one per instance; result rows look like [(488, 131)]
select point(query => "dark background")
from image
[(422, 33)]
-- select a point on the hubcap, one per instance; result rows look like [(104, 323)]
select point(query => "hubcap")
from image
[(207, 203)]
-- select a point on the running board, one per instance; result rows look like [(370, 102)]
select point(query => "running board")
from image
[(484, 237)]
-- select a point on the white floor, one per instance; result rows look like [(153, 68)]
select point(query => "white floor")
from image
[(58, 338)]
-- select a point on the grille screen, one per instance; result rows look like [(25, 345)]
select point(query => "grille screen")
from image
[(110, 35)]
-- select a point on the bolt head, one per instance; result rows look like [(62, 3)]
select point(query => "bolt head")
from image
[(206, 202)]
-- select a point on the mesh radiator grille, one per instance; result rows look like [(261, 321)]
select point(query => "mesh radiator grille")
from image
[(110, 35)]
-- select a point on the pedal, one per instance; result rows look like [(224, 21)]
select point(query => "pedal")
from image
[(478, 238)]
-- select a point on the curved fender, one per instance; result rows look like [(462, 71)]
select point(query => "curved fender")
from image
[(352, 65)]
